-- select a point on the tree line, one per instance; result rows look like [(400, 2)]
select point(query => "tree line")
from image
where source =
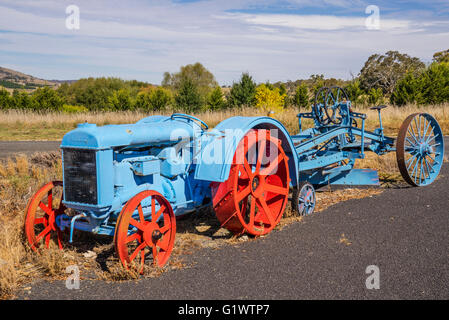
[(393, 77)]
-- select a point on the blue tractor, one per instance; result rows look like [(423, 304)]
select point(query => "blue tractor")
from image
[(130, 182)]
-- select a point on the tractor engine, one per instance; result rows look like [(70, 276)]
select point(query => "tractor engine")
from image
[(103, 167)]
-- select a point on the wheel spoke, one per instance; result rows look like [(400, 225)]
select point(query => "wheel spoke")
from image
[(413, 157), (154, 251), (429, 167), (276, 189), (425, 130), (266, 210), (136, 252), (40, 221), (139, 208), (162, 244), (136, 224), (243, 193), (252, 211), (262, 144), (42, 234), (272, 166), (133, 237), (432, 137), (45, 208), (247, 167), (164, 229), (47, 240), (158, 214)]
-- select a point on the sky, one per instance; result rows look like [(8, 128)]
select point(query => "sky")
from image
[(272, 40)]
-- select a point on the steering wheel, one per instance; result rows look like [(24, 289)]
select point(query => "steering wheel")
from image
[(203, 124), (320, 102), (335, 96)]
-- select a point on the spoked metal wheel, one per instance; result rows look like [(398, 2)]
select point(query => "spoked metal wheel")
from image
[(254, 197), (420, 149), (334, 97), (304, 198), (41, 213), (146, 226)]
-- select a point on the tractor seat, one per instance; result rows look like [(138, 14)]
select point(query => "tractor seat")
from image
[(379, 107)]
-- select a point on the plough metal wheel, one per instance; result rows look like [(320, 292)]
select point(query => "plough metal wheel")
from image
[(41, 213), (135, 232), (254, 197), (304, 198), (420, 149)]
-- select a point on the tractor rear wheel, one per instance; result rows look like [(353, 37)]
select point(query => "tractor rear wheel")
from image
[(41, 213), (146, 223), (254, 197)]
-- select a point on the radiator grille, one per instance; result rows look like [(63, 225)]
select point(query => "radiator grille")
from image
[(80, 176)]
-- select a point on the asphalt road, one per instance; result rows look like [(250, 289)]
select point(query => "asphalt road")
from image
[(402, 231), (11, 148)]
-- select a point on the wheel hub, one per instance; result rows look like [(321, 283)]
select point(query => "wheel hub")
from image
[(157, 235), (152, 234), (255, 183)]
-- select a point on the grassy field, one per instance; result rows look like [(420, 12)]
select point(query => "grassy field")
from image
[(20, 125)]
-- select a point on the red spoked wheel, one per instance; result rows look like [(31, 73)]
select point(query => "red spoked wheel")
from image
[(146, 223), (41, 213), (254, 197)]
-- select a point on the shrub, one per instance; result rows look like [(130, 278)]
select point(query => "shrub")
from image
[(215, 99), (67, 108), (269, 99)]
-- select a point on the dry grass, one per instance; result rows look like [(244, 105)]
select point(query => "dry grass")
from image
[(21, 125)]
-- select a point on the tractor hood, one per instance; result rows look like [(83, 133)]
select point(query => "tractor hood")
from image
[(90, 136)]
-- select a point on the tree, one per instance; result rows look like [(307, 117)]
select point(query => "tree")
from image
[(375, 96), (269, 99), (355, 93), (202, 78), (442, 56), (384, 71), (188, 98), (215, 99), (95, 93), (243, 93), (121, 100), (5, 99), (160, 98), (301, 98), (429, 87), (46, 99), (22, 100)]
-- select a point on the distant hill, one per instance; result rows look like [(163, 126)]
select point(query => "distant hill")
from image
[(11, 79)]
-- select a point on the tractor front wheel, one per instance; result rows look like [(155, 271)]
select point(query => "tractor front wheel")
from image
[(41, 213), (146, 225)]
